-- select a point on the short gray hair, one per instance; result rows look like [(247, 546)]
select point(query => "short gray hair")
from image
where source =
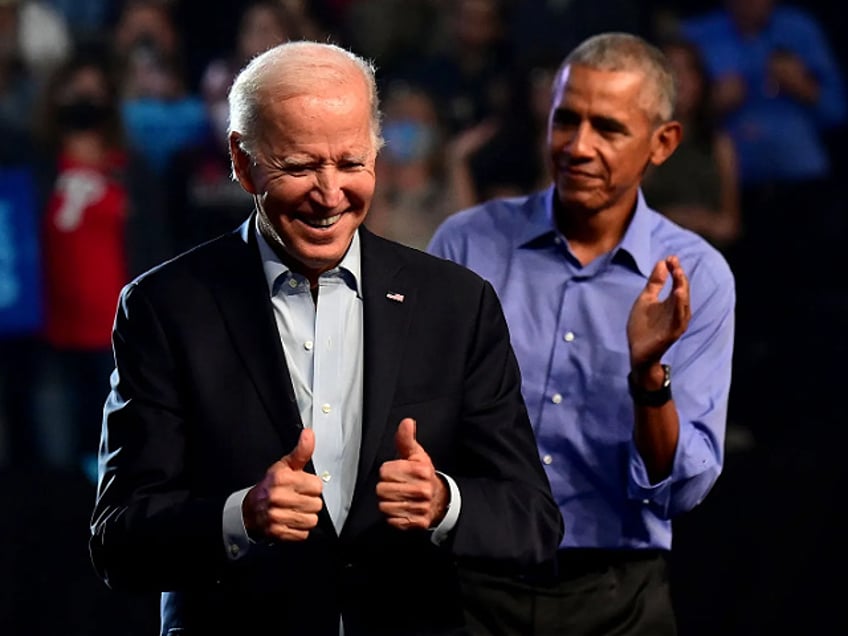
[(291, 69), (626, 52)]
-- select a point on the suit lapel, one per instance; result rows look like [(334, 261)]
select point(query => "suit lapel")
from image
[(240, 290), (388, 303)]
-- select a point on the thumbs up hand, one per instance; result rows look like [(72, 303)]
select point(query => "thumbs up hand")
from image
[(410, 493), (286, 503)]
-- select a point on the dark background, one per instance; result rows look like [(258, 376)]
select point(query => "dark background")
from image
[(764, 553)]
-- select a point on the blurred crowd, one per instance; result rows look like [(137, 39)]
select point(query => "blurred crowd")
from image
[(113, 157)]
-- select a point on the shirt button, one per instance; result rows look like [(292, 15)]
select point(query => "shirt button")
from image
[(325, 476), (234, 549), (326, 408), (646, 501), (293, 283), (569, 336), (557, 398), (308, 345), (547, 460)]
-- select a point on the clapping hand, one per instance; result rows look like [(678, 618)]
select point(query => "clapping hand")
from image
[(654, 324)]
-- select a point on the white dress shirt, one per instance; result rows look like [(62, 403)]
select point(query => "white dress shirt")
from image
[(323, 345)]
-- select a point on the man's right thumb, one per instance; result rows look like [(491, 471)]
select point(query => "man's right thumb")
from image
[(302, 453)]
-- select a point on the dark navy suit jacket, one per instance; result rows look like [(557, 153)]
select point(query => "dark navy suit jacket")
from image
[(202, 404)]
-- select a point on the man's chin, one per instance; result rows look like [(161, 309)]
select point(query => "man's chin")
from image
[(318, 257), (575, 199)]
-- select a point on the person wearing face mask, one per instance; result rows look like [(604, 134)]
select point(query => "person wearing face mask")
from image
[(413, 194), (309, 425), (99, 227), (161, 112)]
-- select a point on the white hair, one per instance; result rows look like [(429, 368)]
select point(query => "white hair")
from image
[(291, 69)]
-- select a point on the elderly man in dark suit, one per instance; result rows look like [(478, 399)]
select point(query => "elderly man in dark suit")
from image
[(309, 426)]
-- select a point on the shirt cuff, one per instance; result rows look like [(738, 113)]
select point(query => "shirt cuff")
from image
[(440, 532), (640, 487), (236, 541)]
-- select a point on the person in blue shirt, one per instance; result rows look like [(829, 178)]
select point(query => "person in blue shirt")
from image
[(623, 325), (780, 94), (778, 86)]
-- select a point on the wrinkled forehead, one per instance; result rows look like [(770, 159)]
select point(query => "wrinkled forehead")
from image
[(337, 119)]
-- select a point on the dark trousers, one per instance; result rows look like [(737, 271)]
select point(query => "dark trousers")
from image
[(587, 593)]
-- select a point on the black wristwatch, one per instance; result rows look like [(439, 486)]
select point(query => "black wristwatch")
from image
[(641, 397)]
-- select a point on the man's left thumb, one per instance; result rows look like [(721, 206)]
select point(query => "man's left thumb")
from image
[(405, 438)]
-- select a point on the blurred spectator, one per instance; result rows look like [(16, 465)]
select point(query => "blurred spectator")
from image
[(395, 33), (203, 199), (202, 44), (467, 72), (505, 154), (314, 20), (412, 195), (99, 229), (33, 39), (698, 186), (551, 28), (17, 87), (261, 26), (779, 93), (146, 22), (778, 87), (43, 37), (161, 115), (88, 20)]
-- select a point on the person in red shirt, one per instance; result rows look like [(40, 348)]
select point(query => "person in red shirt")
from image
[(92, 243)]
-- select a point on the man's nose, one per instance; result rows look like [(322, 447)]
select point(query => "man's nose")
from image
[(580, 143), (328, 188)]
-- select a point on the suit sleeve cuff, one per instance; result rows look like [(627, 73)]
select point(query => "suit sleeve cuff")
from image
[(441, 531), (236, 541)]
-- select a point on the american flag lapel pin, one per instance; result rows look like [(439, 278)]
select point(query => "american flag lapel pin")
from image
[(398, 298)]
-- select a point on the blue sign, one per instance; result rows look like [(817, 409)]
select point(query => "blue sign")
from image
[(21, 303)]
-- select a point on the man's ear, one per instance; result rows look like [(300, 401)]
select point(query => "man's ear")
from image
[(665, 140), (242, 163)]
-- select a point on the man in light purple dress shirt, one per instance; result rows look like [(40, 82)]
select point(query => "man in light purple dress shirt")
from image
[(623, 324)]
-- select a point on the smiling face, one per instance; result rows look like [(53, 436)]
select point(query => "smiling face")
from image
[(313, 172), (601, 137)]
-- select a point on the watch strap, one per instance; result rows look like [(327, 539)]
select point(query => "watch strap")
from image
[(643, 397)]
